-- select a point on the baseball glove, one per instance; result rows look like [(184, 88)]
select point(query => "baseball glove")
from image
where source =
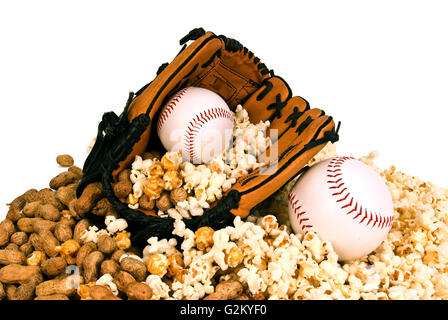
[(226, 67)]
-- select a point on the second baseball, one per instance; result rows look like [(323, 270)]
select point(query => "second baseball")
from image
[(344, 201), (196, 122)]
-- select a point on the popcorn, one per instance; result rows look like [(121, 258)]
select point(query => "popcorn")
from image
[(160, 290), (157, 264), (123, 240), (171, 161), (204, 238), (154, 187), (114, 225), (35, 258), (171, 180), (92, 234)]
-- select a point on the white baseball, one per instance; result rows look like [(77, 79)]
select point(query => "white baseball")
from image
[(196, 122), (345, 202)]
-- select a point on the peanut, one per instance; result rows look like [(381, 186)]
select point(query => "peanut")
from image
[(146, 203), (49, 212), (10, 291), (106, 244), (14, 215), (122, 189), (164, 202), (104, 208), (39, 225), (26, 290), (15, 273), (117, 255), (91, 194), (36, 242), (49, 243), (53, 266), (26, 248), (80, 228), (122, 279), (48, 196), (76, 170), (138, 291), (18, 203), (6, 230), (65, 160), (91, 265), (65, 286), (11, 257), (12, 246), (2, 291), (226, 290), (63, 179), (19, 238), (102, 293), (63, 232), (153, 154), (26, 224), (109, 267), (30, 196), (66, 194), (125, 175), (84, 251), (178, 195), (135, 267), (31, 209)]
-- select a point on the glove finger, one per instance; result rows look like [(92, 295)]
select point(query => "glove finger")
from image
[(282, 141), (255, 187), (262, 104)]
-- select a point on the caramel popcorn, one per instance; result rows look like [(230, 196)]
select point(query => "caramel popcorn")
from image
[(171, 161), (171, 180), (154, 187), (158, 264), (204, 238), (68, 250), (123, 240), (35, 258)]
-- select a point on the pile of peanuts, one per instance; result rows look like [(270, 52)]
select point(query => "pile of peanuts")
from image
[(49, 251)]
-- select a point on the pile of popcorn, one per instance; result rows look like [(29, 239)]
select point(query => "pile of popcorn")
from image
[(180, 189), (271, 262)]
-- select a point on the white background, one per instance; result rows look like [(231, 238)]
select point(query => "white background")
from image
[(380, 67)]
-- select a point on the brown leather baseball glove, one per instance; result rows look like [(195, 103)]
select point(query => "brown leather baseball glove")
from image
[(226, 67)]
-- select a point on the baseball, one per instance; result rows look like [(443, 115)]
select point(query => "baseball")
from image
[(196, 122), (345, 202)]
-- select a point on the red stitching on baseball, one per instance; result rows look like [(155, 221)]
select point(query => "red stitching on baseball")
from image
[(169, 108), (294, 204), (336, 187), (335, 181), (197, 122), (339, 193), (352, 205)]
